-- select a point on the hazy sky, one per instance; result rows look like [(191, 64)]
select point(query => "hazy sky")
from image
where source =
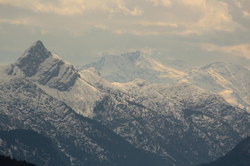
[(197, 31)]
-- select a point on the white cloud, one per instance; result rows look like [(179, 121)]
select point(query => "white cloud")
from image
[(122, 6), (159, 24), (144, 17), (246, 14), (215, 17), (173, 27), (194, 3), (242, 50), (74, 7), (162, 2), (15, 21)]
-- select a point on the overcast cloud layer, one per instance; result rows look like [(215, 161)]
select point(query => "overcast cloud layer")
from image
[(197, 31)]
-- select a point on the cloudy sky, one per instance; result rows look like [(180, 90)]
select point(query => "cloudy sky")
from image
[(196, 31)]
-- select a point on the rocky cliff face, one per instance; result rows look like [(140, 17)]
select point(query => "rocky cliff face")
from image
[(41, 65)]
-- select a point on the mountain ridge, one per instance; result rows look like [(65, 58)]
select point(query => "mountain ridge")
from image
[(128, 66), (230, 81)]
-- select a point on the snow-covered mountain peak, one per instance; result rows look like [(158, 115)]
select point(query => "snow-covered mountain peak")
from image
[(228, 80), (46, 68), (57, 78), (30, 61), (132, 56), (131, 65), (38, 44)]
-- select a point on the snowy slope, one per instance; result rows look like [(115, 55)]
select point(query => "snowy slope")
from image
[(230, 81), (180, 65), (56, 77), (85, 142), (150, 114), (182, 123)]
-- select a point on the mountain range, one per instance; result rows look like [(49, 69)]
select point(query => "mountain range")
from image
[(88, 120), (230, 81)]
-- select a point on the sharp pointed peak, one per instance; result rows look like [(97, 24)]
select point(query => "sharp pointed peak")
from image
[(33, 57), (36, 50), (37, 46), (38, 43)]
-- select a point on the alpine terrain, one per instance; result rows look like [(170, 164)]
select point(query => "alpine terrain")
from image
[(230, 81), (71, 139), (88, 120)]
